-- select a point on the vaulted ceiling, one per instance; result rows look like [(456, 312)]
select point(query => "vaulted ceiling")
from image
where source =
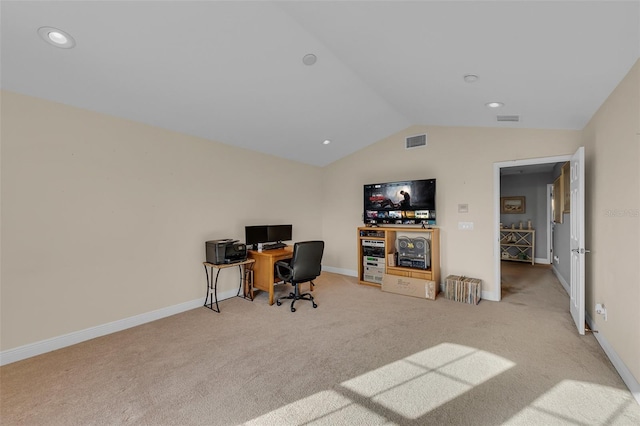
[(233, 71)]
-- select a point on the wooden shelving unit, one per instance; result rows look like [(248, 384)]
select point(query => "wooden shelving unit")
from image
[(387, 236), (518, 245)]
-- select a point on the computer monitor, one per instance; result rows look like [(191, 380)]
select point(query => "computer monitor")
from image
[(261, 234), (255, 234), (279, 233)]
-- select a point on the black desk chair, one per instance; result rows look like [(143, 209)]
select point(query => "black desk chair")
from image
[(304, 266)]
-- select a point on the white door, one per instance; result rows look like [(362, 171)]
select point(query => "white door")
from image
[(550, 224), (577, 238)]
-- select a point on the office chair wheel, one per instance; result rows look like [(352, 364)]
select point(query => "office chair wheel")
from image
[(278, 302), (293, 309)]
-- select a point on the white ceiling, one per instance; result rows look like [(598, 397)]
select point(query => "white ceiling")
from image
[(232, 71)]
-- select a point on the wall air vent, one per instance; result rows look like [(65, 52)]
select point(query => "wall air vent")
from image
[(416, 141), (508, 118)]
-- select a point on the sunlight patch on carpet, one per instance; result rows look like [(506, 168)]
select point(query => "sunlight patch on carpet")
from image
[(576, 402), (410, 388), (422, 382), (322, 408)]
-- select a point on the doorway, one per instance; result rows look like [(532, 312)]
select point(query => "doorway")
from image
[(575, 230), (506, 167)]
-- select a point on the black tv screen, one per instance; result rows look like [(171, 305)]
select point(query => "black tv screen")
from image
[(401, 203)]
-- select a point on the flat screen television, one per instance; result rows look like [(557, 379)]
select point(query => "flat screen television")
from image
[(408, 202), (261, 234)]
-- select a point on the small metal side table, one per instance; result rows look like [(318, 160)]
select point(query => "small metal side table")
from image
[(245, 268)]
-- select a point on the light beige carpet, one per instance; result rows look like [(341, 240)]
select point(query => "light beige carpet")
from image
[(363, 357)]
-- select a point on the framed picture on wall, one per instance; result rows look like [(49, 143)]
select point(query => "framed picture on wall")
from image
[(566, 188), (512, 205), (558, 197)]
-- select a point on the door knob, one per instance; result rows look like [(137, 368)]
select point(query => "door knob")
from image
[(581, 251)]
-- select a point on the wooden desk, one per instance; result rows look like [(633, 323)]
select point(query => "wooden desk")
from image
[(264, 275)]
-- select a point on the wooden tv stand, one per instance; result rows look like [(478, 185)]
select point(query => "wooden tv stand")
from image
[(386, 237)]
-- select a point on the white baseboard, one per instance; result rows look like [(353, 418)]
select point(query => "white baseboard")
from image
[(54, 343), (564, 283), (347, 272), (621, 368), (490, 295), (541, 261)]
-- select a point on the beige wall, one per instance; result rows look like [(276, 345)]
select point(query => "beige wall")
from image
[(612, 152), (461, 159), (104, 219)]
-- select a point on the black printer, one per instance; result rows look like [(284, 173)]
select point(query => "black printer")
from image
[(225, 251)]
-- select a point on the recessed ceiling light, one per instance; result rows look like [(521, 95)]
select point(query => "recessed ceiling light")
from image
[(494, 104), (56, 37), (326, 142), (470, 78), (309, 59)]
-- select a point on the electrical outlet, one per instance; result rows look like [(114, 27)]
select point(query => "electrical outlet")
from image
[(465, 226)]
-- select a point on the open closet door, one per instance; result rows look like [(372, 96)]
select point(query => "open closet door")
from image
[(577, 238)]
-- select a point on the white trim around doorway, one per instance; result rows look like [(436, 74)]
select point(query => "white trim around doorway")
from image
[(496, 295)]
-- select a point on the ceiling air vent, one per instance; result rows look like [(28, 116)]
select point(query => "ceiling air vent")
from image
[(415, 141), (508, 118)]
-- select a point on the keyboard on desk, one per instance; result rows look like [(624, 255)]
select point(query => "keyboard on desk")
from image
[(273, 246)]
